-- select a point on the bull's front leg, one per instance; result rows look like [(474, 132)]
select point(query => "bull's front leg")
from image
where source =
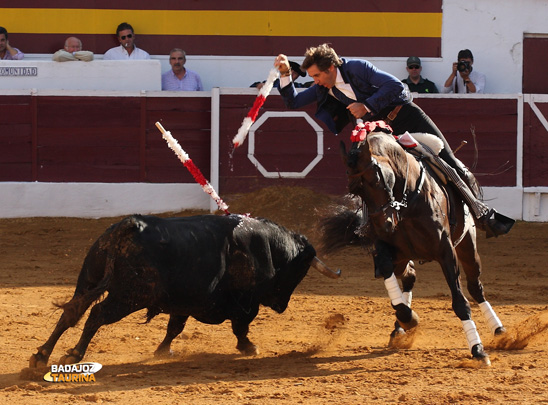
[(175, 326), (241, 329)]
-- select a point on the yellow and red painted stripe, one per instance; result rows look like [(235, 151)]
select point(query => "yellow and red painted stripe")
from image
[(378, 28)]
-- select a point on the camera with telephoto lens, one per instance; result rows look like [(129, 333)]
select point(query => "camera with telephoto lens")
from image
[(464, 65)]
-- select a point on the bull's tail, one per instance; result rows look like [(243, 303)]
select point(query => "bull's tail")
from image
[(341, 228), (97, 270)]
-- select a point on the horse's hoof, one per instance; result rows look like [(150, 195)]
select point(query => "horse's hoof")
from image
[(413, 322), (483, 361), (248, 350), (397, 332), (394, 336), (163, 353), (479, 354), (501, 330)]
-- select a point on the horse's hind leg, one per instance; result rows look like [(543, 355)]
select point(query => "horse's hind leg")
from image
[(471, 264), (460, 304)]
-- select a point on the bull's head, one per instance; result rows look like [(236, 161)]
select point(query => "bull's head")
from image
[(288, 277)]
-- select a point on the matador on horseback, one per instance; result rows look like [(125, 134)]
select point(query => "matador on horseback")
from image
[(346, 90)]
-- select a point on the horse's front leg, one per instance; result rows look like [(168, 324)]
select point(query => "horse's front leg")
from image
[(401, 302), (408, 279), (460, 304)]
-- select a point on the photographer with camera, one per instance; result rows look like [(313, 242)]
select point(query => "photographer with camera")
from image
[(468, 80)]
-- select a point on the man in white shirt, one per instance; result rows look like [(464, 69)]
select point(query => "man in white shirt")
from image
[(127, 49), (468, 80)]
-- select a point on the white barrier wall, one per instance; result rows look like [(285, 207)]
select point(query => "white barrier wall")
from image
[(97, 200), (95, 75)]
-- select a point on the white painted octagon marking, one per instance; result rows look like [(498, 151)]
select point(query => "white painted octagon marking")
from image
[(280, 114)]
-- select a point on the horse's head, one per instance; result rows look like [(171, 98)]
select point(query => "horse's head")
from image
[(365, 170), (371, 176)]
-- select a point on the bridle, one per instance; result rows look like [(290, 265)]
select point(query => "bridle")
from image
[(391, 211)]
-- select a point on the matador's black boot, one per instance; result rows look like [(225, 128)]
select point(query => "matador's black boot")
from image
[(487, 219), (494, 224)]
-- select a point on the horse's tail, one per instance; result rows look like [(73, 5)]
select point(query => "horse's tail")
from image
[(340, 228)]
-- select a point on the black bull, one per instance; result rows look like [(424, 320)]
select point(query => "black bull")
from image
[(212, 268)]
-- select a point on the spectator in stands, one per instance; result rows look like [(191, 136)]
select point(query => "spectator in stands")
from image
[(415, 81), (127, 48), (296, 72), (179, 78), (7, 52), (72, 51), (468, 80)]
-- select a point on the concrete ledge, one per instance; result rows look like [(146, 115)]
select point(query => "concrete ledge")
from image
[(535, 204), (506, 200), (96, 200), (94, 75)]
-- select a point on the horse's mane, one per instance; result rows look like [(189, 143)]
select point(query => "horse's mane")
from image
[(385, 149)]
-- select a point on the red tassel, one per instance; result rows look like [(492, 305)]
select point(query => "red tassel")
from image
[(196, 173), (259, 101)]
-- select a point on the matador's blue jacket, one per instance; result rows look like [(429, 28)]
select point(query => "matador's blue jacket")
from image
[(375, 88)]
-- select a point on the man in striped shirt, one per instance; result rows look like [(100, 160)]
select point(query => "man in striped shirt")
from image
[(7, 52), (178, 78)]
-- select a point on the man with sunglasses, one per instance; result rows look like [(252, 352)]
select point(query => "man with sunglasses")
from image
[(127, 49), (415, 82)]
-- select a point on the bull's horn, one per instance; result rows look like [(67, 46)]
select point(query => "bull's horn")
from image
[(326, 271)]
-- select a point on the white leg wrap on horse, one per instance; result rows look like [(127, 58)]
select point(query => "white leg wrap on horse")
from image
[(394, 290), (471, 333), (407, 297), (492, 319)]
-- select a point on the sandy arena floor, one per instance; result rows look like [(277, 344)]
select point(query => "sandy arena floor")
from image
[(329, 347)]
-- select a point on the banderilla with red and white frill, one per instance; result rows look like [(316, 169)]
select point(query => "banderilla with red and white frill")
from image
[(252, 114), (194, 171)]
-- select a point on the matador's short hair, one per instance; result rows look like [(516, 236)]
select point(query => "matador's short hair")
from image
[(322, 56)]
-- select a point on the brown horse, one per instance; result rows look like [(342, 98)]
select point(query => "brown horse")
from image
[(410, 216)]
